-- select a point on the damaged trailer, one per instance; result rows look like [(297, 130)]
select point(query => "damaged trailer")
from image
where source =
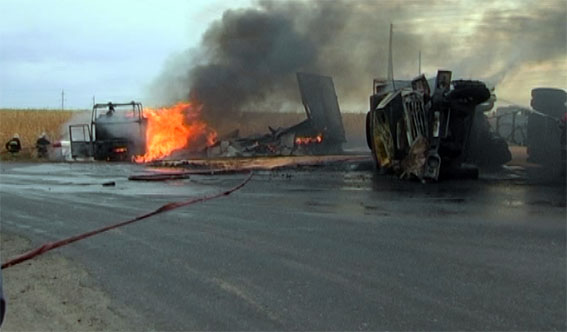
[(117, 132), (323, 113), (415, 132), (321, 133)]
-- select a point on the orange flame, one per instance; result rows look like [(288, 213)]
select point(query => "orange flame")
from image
[(173, 128), (309, 140)]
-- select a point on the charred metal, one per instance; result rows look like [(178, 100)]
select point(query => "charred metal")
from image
[(321, 133), (414, 131), (117, 132)]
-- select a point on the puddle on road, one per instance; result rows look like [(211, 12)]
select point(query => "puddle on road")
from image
[(104, 178), (65, 178)]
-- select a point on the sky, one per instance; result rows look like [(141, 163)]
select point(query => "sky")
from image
[(109, 49), (119, 50)]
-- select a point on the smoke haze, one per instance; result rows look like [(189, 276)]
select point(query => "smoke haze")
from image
[(247, 60)]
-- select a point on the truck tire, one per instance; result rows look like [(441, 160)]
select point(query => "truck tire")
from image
[(548, 107), (472, 92), (549, 101), (368, 131), (555, 95)]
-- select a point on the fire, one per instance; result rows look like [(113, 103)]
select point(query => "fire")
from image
[(173, 128), (120, 150), (309, 140)]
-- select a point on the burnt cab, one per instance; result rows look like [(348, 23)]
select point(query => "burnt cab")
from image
[(117, 132), (415, 132)]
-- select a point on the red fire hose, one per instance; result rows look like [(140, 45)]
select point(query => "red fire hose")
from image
[(170, 206)]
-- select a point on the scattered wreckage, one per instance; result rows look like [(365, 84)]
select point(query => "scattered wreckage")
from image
[(117, 131), (414, 131), (321, 133)]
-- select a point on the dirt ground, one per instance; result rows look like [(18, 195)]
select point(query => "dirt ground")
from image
[(52, 293)]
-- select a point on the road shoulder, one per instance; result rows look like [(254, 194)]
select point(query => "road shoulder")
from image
[(54, 293)]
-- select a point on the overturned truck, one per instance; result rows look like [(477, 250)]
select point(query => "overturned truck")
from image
[(414, 131)]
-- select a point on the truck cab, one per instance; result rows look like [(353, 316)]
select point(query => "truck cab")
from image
[(117, 132)]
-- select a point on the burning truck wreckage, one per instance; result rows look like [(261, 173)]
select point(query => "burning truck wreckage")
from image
[(412, 132), (420, 129), (127, 132)]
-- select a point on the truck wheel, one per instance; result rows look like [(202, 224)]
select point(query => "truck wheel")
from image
[(548, 107), (553, 95), (474, 92), (368, 131)]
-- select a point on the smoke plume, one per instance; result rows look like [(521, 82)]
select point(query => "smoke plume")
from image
[(247, 59)]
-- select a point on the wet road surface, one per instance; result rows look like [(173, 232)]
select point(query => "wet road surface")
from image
[(313, 249)]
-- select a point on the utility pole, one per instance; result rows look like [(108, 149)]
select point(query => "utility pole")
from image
[(419, 64), (93, 100), (390, 60), (62, 99)]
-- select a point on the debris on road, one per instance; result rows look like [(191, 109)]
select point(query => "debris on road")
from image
[(185, 168), (321, 133)]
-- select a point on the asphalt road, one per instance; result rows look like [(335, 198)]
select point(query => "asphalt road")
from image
[(315, 249)]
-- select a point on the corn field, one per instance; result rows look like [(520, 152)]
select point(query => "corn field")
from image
[(29, 124)]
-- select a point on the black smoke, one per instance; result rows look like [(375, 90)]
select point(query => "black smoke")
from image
[(252, 53), (247, 59)]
